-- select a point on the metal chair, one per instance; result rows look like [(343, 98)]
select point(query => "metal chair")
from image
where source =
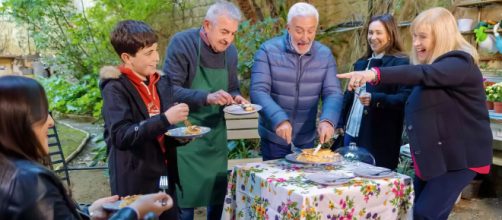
[(56, 157)]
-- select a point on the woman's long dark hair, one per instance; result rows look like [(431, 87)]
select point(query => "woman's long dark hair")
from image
[(22, 104), (394, 47)]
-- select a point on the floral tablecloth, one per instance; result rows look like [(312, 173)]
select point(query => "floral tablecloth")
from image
[(279, 190)]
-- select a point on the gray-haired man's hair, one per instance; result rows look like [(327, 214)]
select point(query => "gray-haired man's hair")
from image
[(302, 9), (225, 8)]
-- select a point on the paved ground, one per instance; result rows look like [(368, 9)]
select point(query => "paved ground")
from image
[(89, 185)]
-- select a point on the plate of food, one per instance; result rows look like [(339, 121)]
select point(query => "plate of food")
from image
[(373, 172), (307, 156), (125, 201), (192, 131), (242, 109), (331, 178)]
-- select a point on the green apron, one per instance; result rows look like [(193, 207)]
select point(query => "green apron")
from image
[(202, 163)]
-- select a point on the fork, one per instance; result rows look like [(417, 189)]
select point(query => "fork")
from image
[(163, 185), (187, 123)]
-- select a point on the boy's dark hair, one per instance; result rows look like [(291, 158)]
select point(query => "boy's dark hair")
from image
[(129, 36)]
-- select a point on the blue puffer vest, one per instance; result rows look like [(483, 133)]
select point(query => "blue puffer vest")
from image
[(289, 85)]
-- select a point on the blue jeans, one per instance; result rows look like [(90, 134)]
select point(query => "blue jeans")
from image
[(213, 213), (435, 198)]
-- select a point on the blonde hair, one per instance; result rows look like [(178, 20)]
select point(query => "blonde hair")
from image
[(444, 32)]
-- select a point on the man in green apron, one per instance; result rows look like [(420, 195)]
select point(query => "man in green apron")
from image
[(202, 64)]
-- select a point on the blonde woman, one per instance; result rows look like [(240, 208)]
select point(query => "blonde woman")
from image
[(445, 115)]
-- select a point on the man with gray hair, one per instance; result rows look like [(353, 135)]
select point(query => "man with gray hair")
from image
[(202, 65), (289, 75)]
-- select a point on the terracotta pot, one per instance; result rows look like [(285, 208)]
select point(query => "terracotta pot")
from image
[(489, 105), (487, 83), (497, 106)]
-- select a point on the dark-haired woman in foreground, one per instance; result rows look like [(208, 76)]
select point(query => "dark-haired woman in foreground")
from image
[(28, 190)]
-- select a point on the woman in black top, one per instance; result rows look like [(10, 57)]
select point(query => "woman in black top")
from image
[(375, 121)]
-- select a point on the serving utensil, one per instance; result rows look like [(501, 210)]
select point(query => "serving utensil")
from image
[(317, 149)]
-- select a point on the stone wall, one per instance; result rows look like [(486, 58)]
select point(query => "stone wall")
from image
[(191, 13), (14, 39)]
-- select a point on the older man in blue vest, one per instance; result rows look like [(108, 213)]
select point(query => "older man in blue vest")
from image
[(290, 75)]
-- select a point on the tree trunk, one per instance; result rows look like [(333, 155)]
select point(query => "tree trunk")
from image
[(247, 10), (258, 11), (273, 10)]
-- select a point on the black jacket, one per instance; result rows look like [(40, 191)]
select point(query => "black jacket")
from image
[(34, 192), (446, 116), (382, 121), (135, 159)]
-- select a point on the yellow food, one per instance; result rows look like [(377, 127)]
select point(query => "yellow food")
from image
[(128, 200), (322, 156), (192, 130)]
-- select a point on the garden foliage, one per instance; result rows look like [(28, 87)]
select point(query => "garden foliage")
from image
[(75, 44)]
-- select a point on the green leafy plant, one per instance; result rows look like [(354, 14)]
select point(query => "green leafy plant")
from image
[(244, 148), (405, 166), (99, 151), (248, 41), (480, 34), (74, 98), (494, 92)]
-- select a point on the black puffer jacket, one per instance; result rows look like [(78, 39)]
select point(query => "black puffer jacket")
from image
[(30, 191)]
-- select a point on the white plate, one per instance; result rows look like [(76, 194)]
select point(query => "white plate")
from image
[(292, 158), (331, 178), (180, 132), (238, 110), (373, 172)]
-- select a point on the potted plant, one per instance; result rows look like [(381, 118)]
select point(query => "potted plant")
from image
[(494, 94), (485, 41), (486, 84)]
